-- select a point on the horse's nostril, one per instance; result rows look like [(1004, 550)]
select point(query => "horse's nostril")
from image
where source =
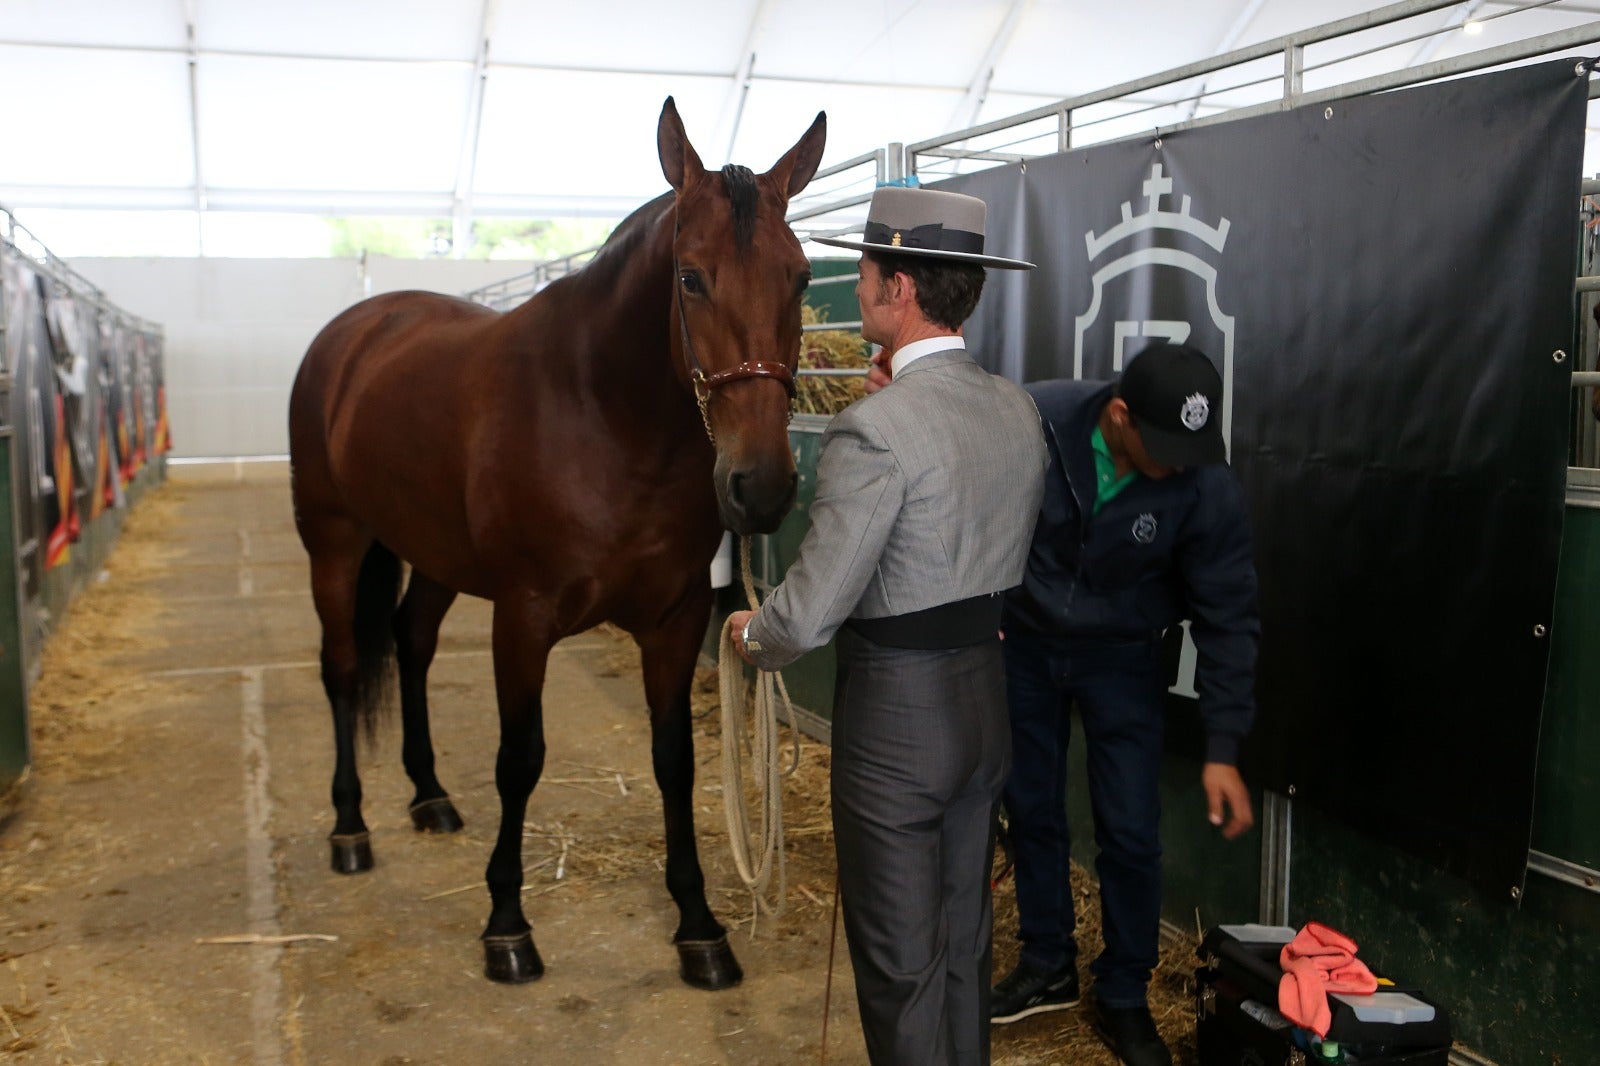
[(735, 488)]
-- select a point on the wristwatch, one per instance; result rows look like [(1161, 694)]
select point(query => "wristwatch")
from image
[(744, 636)]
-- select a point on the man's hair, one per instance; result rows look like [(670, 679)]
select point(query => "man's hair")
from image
[(947, 291)]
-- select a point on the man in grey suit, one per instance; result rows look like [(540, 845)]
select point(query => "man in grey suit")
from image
[(927, 493)]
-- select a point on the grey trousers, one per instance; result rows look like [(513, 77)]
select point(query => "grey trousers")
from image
[(921, 748)]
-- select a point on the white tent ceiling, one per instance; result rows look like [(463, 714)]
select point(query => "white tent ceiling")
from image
[(542, 108)]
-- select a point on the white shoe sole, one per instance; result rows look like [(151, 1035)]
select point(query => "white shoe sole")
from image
[(1042, 1008)]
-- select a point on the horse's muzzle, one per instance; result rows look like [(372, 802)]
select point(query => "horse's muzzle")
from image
[(753, 503)]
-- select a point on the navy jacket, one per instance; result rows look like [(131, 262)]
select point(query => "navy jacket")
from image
[(1159, 552)]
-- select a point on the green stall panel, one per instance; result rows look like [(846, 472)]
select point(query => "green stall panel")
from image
[(1519, 976), (1567, 787), (1520, 982), (834, 301), (810, 678), (13, 689)]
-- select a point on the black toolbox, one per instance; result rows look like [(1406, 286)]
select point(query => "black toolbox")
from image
[(1237, 1022)]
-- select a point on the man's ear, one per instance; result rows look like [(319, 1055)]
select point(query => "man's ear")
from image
[(1119, 411), (903, 285)]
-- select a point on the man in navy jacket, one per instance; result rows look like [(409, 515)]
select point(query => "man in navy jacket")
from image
[(1142, 525)]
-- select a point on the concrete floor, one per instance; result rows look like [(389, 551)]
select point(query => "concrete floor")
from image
[(180, 791)]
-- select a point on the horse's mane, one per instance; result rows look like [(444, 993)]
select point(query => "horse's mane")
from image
[(743, 192), (615, 252)]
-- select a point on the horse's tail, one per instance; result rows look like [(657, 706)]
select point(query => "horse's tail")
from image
[(377, 592)]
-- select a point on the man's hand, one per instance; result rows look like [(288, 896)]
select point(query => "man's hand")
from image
[(881, 372), (736, 623), (1224, 786)]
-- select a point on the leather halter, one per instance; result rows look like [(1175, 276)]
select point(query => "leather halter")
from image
[(703, 383)]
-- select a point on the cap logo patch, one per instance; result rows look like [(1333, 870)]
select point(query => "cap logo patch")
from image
[(1196, 410), (1144, 528)]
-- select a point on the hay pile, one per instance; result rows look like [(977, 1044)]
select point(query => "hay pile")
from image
[(828, 349), (83, 684)]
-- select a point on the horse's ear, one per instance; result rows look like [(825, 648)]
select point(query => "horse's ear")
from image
[(799, 163), (679, 161)]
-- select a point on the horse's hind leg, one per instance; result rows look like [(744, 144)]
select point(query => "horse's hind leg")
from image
[(349, 572), (669, 655), (416, 630), (523, 635)]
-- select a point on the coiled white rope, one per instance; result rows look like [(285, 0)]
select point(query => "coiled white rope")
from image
[(763, 751)]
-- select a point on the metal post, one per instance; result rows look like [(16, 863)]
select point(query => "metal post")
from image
[(194, 131), (1294, 67), (467, 157), (897, 162), (1276, 844), (1064, 129)]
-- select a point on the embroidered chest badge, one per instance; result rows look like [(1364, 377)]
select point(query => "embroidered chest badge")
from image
[(1144, 528), (1196, 409)]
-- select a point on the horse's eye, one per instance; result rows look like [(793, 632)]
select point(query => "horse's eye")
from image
[(802, 284), (690, 281)]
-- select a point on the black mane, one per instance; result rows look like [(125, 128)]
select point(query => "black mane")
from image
[(741, 186)]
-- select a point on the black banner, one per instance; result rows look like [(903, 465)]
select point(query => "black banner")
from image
[(1385, 283)]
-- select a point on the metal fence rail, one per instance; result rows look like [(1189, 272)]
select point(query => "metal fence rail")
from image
[(20, 240), (823, 198), (1290, 49)]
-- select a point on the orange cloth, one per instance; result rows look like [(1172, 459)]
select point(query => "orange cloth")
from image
[(1317, 961)]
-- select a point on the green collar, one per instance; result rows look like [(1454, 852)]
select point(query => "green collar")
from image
[(1106, 482)]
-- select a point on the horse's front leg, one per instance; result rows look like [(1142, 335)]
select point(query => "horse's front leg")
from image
[(416, 631), (523, 636), (669, 655)]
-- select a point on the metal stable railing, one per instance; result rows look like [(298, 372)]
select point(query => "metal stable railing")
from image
[(1269, 76), (1583, 475), (1240, 83), (20, 240), (832, 191), (18, 243)]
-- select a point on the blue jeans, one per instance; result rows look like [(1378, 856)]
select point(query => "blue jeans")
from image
[(1120, 691)]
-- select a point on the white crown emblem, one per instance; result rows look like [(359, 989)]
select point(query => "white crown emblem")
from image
[(1155, 190), (1196, 410), (1127, 247)]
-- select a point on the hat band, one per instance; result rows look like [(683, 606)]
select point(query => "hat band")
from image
[(931, 237)]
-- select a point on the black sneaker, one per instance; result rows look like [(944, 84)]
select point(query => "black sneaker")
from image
[(1131, 1034), (1031, 989)]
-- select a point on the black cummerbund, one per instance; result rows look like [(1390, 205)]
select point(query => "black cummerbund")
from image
[(959, 624)]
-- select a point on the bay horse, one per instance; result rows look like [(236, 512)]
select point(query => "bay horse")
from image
[(573, 460)]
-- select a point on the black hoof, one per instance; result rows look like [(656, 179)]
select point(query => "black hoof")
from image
[(708, 964), (435, 816), (512, 960), (352, 853)]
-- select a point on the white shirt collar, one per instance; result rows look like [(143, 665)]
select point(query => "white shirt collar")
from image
[(917, 349)]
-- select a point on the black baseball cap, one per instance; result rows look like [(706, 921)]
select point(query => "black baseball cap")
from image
[(1174, 393)]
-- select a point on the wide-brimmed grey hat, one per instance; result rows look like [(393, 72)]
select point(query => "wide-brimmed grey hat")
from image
[(927, 223)]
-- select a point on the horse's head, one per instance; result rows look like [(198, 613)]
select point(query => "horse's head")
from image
[(739, 276)]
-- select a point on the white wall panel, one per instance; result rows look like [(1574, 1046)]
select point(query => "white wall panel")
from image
[(236, 329)]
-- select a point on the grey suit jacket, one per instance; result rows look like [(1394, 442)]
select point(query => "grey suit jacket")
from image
[(927, 492)]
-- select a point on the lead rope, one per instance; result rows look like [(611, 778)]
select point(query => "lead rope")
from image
[(765, 756)]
